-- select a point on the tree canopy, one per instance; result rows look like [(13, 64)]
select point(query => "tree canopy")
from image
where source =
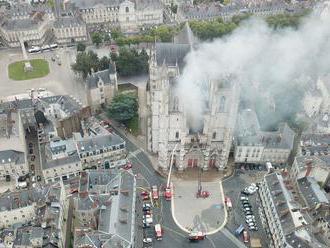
[(131, 62), (123, 107), (97, 38), (81, 47)]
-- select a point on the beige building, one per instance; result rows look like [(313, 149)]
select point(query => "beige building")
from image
[(70, 29), (30, 24), (168, 125), (101, 87), (128, 15)]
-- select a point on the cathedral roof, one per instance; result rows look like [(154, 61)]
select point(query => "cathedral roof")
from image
[(171, 53)]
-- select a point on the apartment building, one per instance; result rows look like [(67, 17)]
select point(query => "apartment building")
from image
[(288, 223), (105, 209), (69, 29), (313, 166), (252, 145), (13, 148), (41, 210)]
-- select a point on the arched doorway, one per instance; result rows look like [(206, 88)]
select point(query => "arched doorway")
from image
[(26, 44)]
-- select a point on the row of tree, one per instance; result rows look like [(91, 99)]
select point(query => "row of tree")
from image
[(128, 61)]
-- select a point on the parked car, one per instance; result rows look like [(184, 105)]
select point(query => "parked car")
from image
[(253, 228), (146, 206), (248, 221), (146, 197), (247, 209), (247, 213), (244, 198), (144, 193), (146, 225)]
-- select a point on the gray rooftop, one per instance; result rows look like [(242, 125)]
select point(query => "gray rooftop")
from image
[(100, 142), (89, 4), (281, 139), (19, 24), (68, 21), (93, 79), (115, 208), (311, 192), (61, 161), (12, 156), (68, 103)]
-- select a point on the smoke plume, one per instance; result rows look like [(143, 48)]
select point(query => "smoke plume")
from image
[(257, 55)]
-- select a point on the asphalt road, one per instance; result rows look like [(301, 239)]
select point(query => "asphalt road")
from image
[(173, 236)]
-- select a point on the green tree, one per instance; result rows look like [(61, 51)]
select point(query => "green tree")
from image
[(123, 107), (81, 47), (104, 63), (85, 63), (96, 39), (130, 62)]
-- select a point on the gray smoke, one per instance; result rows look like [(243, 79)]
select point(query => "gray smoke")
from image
[(256, 54)]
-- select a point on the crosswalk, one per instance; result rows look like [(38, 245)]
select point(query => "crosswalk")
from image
[(135, 153)]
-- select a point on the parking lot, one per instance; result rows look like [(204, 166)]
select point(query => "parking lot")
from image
[(233, 186)]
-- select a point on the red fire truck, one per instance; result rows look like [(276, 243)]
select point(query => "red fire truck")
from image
[(158, 232), (196, 236), (155, 194)]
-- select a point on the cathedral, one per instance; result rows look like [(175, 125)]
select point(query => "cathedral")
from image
[(169, 131)]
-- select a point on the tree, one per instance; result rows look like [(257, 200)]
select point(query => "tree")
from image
[(85, 63), (123, 107), (81, 47), (104, 63), (96, 39), (130, 62)]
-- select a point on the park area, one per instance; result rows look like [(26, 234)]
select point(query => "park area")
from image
[(16, 70)]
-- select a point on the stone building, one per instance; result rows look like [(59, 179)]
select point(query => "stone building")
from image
[(287, 222), (255, 146), (129, 15), (30, 24), (70, 29), (168, 127), (101, 87), (37, 217), (105, 209)]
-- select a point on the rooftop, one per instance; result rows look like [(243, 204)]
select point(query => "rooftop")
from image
[(68, 21), (93, 79), (12, 156), (312, 192), (61, 161)]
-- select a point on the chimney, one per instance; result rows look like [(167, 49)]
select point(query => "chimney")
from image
[(309, 168)]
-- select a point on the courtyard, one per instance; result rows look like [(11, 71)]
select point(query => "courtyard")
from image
[(17, 71)]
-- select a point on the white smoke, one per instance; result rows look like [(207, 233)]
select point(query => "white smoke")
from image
[(256, 53)]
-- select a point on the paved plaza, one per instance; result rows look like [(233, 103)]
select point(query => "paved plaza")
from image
[(191, 213), (60, 80)]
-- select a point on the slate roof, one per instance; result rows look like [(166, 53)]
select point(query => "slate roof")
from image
[(89, 4), (311, 192), (281, 139), (61, 161), (93, 79), (98, 142), (12, 156), (68, 21), (20, 24)]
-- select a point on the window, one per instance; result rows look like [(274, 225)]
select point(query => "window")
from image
[(127, 9), (177, 135), (214, 135)]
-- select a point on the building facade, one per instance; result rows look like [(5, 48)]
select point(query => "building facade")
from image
[(128, 15), (168, 125), (70, 29), (101, 87), (255, 146)]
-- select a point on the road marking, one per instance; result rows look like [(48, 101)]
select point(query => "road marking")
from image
[(170, 229), (211, 241), (232, 238)]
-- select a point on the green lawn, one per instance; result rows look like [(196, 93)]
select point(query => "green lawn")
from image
[(133, 125), (40, 69)]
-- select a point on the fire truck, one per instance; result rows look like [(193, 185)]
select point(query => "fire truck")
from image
[(196, 236)]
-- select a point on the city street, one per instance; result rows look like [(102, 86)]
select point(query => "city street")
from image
[(173, 235)]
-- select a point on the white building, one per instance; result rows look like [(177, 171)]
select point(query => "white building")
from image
[(255, 146), (128, 15), (168, 125)]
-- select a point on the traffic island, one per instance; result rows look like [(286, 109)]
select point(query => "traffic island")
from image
[(28, 69)]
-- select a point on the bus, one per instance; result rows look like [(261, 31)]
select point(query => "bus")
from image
[(34, 50), (53, 46), (239, 230), (158, 232)]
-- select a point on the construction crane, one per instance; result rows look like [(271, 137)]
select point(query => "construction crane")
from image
[(168, 189)]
